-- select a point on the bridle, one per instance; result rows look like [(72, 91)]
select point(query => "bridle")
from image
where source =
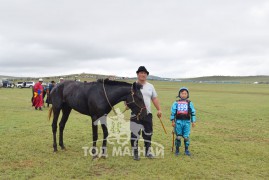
[(133, 101)]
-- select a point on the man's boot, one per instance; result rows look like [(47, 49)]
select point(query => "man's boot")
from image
[(149, 154), (136, 155)]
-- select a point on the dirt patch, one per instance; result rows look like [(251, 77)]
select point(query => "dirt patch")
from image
[(19, 164), (100, 170)]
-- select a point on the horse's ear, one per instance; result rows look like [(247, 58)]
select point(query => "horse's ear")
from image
[(106, 80), (137, 86), (103, 80)]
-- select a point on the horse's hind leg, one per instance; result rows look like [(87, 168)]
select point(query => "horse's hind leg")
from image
[(56, 113), (66, 111)]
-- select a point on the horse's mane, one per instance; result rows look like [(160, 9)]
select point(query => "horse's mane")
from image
[(111, 82)]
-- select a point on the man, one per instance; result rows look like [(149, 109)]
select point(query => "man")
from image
[(44, 93), (49, 88), (37, 98), (61, 80), (149, 94)]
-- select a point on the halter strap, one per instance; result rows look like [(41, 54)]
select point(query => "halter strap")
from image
[(141, 108)]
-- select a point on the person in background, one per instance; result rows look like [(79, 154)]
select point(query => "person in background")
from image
[(61, 80), (37, 99), (44, 93), (49, 88)]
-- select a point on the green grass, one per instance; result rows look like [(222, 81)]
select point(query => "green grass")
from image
[(230, 141)]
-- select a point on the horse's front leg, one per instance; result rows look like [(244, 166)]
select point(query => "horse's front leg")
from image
[(104, 146), (94, 137)]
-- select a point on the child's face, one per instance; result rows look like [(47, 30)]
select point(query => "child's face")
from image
[(183, 94)]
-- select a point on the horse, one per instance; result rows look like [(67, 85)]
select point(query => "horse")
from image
[(94, 99)]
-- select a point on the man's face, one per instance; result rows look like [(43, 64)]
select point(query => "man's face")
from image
[(142, 76), (184, 94)]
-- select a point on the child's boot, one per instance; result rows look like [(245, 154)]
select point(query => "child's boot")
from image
[(187, 152), (177, 151), (177, 144), (187, 143)]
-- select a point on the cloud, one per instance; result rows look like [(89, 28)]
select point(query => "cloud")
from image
[(171, 38)]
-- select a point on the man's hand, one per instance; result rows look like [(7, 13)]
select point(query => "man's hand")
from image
[(173, 123), (193, 124), (126, 107), (159, 114)]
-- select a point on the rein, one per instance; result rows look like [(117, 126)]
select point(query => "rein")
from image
[(108, 99)]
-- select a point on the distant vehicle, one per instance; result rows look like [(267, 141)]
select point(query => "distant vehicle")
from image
[(19, 84), (8, 84), (28, 84)]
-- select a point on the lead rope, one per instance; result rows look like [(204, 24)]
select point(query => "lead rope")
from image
[(108, 99)]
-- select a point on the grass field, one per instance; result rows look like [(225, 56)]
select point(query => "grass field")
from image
[(230, 141)]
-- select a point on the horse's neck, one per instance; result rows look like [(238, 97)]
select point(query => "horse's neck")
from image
[(117, 94)]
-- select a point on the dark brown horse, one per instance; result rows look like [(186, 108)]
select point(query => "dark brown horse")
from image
[(94, 99)]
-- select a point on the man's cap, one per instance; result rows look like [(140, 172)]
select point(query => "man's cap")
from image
[(142, 69), (40, 80)]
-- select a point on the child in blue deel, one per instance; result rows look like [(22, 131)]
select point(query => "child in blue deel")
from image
[(182, 116)]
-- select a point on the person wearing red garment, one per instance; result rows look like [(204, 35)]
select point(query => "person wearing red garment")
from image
[(37, 98)]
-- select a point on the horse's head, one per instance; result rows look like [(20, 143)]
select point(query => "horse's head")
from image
[(136, 102)]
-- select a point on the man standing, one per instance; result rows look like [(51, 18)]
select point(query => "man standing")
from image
[(37, 98), (61, 80), (149, 94), (49, 89)]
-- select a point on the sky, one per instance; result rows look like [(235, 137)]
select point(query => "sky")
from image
[(171, 38)]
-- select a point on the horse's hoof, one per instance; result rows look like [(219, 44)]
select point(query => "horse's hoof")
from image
[(104, 156), (95, 158), (63, 148), (55, 151)]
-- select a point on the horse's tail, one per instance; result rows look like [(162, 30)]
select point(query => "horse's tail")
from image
[(50, 112)]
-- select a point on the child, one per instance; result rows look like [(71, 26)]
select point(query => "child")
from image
[(182, 115)]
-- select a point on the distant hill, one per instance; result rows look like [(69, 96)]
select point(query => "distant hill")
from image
[(7, 77), (205, 79), (241, 79)]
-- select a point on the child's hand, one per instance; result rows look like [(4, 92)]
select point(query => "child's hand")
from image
[(173, 123), (193, 124)]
